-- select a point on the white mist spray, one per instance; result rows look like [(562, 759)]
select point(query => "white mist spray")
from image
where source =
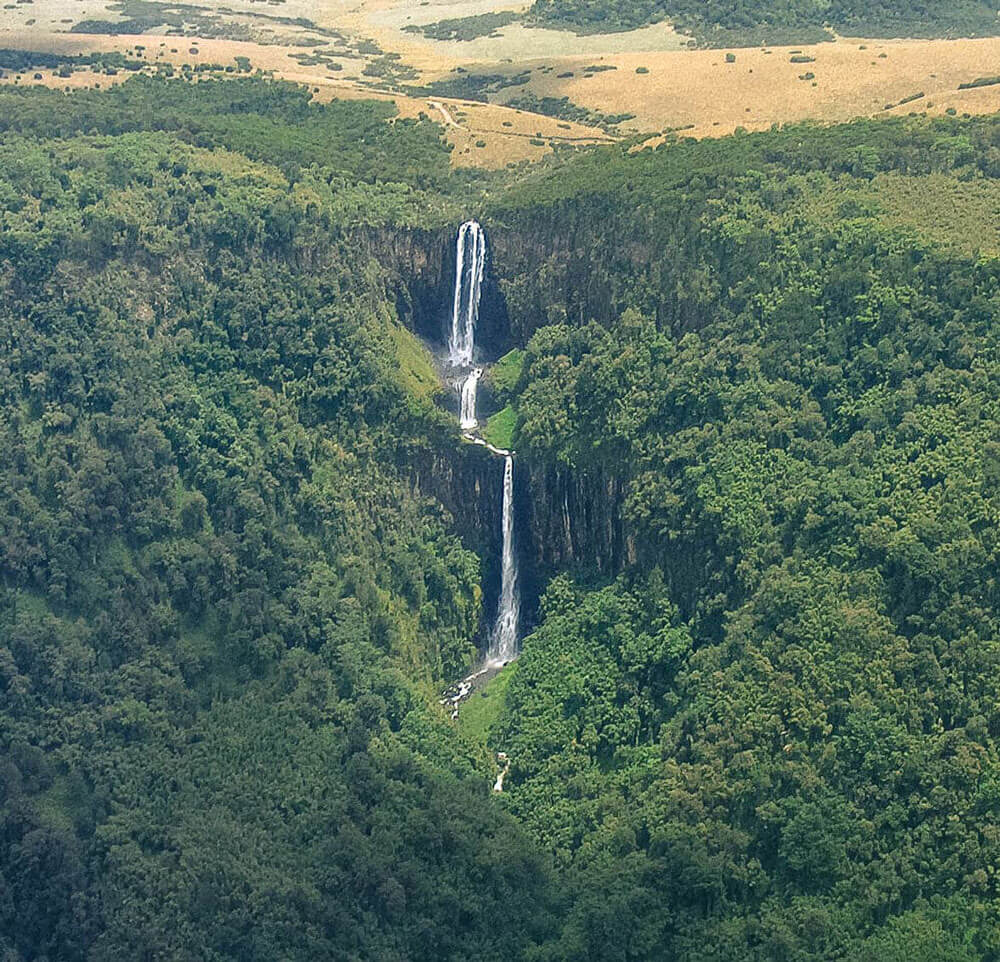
[(470, 388)]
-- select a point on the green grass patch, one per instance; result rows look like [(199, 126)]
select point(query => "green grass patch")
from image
[(500, 428), (468, 86), (416, 369), (505, 374), (466, 28), (564, 109), (478, 714)]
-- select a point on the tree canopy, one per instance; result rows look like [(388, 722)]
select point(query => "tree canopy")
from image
[(767, 729)]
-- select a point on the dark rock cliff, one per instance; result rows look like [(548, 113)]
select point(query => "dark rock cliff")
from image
[(468, 481), (420, 272), (579, 262), (574, 521), (564, 520), (558, 263)]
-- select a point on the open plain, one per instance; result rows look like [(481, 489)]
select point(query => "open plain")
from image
[(562, 89)]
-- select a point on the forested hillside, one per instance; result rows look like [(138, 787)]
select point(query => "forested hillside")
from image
[(765, 368), (799, 21), (780, 724), (222, 610)]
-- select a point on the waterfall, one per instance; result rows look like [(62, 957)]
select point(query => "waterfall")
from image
[(470, 388), (471, 263), (470, 267), (503, 645)]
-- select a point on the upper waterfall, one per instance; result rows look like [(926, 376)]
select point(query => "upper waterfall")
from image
[(469, 269)]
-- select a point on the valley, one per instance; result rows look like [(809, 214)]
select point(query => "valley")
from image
[(444, 520)]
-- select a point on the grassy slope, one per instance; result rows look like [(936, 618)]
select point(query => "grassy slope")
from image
[(416, 369), (484, 706), (500, 428), (503, 375)]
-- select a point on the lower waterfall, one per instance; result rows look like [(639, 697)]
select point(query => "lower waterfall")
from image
[(503, 644)]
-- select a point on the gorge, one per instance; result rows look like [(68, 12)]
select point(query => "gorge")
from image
[(527, 521), (745, 553), (470, 265)]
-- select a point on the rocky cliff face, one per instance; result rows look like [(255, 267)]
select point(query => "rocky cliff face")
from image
[(564, 520), (548, 275), (550, 265), (468, 481), (575, 521), (420, 272), (557, 263), (580, 262)]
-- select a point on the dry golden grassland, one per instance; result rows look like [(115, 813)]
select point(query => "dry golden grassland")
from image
[(655, 77), (700, 91)]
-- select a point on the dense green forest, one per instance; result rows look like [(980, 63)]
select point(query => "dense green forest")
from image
[(223, 612), (731, 23), (226, 611), (781, 724)]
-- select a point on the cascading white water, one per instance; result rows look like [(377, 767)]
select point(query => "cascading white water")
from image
[(469, 269), (470, 387), (503, 645)]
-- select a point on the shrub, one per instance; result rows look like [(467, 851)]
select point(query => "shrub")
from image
[(979, 82)]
